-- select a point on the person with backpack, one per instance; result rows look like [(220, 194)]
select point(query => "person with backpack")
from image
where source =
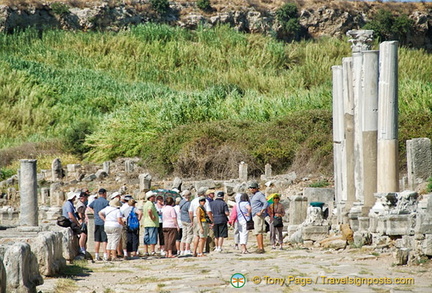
[(132, 218)]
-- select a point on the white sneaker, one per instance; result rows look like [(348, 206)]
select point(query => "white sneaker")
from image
[(187, 252), (162, 253), (217, 250)]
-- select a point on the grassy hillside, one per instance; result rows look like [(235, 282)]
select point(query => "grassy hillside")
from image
[(192, 103)]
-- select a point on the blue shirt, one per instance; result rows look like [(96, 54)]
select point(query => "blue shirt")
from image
[(184, 210), (258, 203), (97, 205), (219, 208), (67, 208)]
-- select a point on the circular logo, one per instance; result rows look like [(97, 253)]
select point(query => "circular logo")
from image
[(238, 280)]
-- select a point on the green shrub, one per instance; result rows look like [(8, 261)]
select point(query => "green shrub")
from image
[(204, 5), (387, 26), (6, 173), (59, 8), (429, 186), (161, 6), (320, 184), (287, 16)]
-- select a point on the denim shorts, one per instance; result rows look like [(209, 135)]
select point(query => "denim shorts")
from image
[(150, 235)]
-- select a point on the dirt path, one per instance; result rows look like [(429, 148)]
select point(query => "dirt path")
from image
[(290, 270)]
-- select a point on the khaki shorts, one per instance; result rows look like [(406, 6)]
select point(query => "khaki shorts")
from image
[(259, 225), (196, 229)]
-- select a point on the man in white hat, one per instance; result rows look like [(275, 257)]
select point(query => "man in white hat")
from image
[(68, 211), (150, 223)]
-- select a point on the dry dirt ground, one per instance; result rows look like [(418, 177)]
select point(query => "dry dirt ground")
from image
[(289, 270)]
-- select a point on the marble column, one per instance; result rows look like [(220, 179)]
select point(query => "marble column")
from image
[(349, 162), (28, 193), (387, 153), (338, 133), (369, 128)]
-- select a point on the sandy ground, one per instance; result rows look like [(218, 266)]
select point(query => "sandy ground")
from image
[(288, 270)]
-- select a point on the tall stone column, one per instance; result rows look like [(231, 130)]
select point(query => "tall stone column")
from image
[(387, 156), (369, 127), (28, 192), (348, 98), (358, 120), (338, 133)]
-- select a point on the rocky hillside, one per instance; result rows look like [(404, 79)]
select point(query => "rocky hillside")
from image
[(317, 18)]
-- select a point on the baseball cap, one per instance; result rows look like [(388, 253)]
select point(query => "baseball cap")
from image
[(220, 194), (102, 190), (253, 185)]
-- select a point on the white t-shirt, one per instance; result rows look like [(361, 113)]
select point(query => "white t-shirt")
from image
[(179, 222), (111, 216), (195, 204)]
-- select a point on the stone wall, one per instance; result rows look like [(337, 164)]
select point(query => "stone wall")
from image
[(315, 22)]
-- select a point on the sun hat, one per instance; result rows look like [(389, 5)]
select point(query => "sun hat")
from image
[(150, 194), (202, 190), (71, 195), (201, 198), (114, 195), (128, 197), (185, 193), (209, 191), (115, 203)]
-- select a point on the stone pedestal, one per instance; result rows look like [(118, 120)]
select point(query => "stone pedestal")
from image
[(243, 171), (144, 182), (28, 191), (297, 209), (315, 233), (45, 196), (90, 231), (129, 166), (107, 167), (398, 225), (419, 161)]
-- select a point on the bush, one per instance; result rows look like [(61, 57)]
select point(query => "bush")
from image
[(287, 16), (387, 26), (204, 5), (161, 6), (59, 8), (6, 173), (429, 186)]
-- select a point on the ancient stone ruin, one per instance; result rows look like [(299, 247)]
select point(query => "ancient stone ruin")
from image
[(369, 204)]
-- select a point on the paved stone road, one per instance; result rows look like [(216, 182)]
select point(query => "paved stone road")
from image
[(314, 270)]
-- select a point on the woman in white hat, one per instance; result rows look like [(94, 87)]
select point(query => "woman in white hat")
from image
[(113, 224)]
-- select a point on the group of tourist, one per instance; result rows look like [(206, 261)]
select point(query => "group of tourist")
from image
[(180, 225)]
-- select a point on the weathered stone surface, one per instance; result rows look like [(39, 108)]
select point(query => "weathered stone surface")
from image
[(22, 273), (427, 245), (402, 256), (419, 161), (101, 174), (315, 233), (48, 249), (423, 223), (3, 279), (298, 209), (336, 242), (399, 225), (145, 182)]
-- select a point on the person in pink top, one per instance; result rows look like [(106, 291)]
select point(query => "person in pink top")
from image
[(170, 226)]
